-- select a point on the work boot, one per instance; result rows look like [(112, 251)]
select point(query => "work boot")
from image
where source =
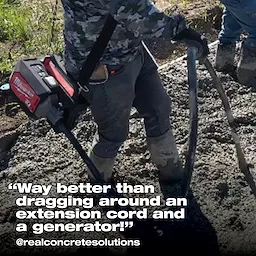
[(103, 165), (165, 156), (246, 69), (225, 56)]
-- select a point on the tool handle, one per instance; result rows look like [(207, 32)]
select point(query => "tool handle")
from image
[(231, 120), (192, 141)]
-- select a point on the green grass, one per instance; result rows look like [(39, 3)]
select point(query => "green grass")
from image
[(13, 26), (26, 29)]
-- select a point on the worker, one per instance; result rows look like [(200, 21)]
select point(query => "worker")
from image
[(127, 76), (238, 16)]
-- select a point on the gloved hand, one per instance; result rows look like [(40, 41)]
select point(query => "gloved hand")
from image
[(193, 38), (180, 22)]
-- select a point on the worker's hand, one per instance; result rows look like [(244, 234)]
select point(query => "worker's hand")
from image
[(180, 23), (194, 39)]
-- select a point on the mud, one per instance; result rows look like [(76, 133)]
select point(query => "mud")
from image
[(221, 212)]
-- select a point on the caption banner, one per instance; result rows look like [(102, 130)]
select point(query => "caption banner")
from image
[(73, 197)]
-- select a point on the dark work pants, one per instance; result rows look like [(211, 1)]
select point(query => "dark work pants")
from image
[(136, 84)]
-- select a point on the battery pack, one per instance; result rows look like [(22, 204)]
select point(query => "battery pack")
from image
[(31, 84), (42, 85)]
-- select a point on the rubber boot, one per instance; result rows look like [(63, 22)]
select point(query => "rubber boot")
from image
[(246, 69), (225, 56), (103, 165), (165, 156)]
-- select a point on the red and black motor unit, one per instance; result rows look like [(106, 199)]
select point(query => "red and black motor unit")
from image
[(45, 90)]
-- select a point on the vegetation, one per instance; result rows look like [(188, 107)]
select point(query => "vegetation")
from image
[(28, 28)]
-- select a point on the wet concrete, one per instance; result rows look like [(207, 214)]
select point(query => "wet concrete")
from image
[(221, 213)]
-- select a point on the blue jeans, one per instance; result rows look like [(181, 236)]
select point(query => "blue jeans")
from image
[(238, 16), (136, 84)]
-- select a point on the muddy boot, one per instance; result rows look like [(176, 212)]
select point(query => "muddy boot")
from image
[(246, 69), (164, 154), (224, 60), (104, 166)]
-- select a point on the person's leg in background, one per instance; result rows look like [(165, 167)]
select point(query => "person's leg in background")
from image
[(228, 36), (111, 104), (154, 105), (246, 69), (244, 12)]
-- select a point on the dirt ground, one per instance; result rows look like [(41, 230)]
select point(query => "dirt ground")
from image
[(221, 213)]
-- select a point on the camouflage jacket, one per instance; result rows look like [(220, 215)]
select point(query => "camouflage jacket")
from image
[(137, 20)]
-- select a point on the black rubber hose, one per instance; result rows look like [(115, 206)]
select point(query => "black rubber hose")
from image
[(192, 141)]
